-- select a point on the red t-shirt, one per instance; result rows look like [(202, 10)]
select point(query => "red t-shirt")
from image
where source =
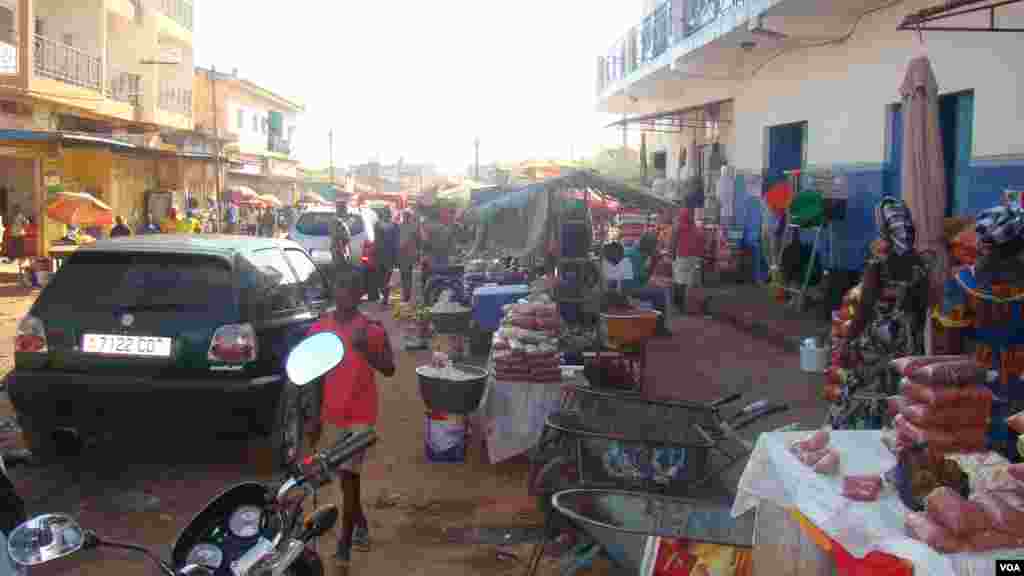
[(350, 390)]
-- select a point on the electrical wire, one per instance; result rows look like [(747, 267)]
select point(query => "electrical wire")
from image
[(834, 42)]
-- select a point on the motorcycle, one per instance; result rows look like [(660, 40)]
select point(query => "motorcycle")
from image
[(12, 508), (250, 529)]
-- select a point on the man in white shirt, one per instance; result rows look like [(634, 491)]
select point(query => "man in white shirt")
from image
[(616, 268)]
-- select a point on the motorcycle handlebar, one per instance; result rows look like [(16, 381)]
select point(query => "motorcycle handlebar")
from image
[(343, 451)]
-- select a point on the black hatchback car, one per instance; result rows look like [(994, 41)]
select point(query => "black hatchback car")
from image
[(194, 328)]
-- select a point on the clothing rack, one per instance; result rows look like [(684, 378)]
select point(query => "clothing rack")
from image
[(791, 229)]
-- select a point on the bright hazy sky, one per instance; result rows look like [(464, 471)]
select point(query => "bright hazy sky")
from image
[(421, 79)]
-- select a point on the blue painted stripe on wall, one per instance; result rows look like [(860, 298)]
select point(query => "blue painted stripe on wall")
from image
[(867, 184)]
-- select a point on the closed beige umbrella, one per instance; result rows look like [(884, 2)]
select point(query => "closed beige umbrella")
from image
[(924, 173)]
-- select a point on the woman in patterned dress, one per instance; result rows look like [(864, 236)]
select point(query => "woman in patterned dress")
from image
[(981, 314)]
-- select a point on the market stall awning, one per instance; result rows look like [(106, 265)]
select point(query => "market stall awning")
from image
[(671, 121), (624, 193), (960, 16)]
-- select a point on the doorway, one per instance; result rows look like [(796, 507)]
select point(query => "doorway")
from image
[(956, 127), (787, 150)]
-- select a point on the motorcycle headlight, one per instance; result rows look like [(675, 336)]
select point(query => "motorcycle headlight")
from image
[(245, 521)]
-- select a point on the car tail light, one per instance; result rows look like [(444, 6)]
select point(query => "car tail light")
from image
[(367, 259), (233, 344), (30, 335)]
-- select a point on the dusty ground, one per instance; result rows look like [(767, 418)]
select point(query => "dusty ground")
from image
[(145, 489)]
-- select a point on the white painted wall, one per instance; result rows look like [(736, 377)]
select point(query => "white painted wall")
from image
[(250, 136), (84, 23), (842, 91)]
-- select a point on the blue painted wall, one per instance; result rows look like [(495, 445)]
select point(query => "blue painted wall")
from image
[(867, 185)]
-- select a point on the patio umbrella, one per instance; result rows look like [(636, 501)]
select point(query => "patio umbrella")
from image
[(80, 209), (270, 200), (924, 175), (242, 194), (313, 197)]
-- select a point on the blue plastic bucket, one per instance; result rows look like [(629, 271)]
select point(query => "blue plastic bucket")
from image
[(445, 437)]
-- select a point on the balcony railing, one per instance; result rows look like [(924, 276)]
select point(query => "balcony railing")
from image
[(178, 10), (669, 24), (125, 87), (67, 64), (175, 99)]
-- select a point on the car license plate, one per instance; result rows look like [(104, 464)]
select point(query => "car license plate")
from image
[(124, 345), (320, 254)]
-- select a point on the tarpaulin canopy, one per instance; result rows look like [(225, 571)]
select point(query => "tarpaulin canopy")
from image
[(625, 193)]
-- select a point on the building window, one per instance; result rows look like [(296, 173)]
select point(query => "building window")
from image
[(69, 40), (241, 119), (40, 27)]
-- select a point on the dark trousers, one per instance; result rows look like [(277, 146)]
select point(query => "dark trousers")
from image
[(379, 283), (406, 271)]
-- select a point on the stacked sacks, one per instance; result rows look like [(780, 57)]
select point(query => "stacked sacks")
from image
[(943, 403), (992, 519), (843, 356), (525, 347)]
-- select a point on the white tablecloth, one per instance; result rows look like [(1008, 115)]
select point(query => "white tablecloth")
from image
[(513, 415), (773, 474)]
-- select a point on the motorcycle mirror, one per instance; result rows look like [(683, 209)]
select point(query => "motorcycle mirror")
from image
[(314, 357), (319, 522), (45, 538)]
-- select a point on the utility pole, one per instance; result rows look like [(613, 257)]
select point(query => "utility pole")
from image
[(476, 162), (216, 144), (330, 145)]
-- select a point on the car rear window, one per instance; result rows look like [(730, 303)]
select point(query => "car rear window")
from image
[(118, 280), (315, 224)]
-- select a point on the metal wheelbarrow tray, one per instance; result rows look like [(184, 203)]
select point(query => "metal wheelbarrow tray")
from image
[(604, 439), (623, 521)]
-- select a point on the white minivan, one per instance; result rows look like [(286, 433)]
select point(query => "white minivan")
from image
[(312, 230)]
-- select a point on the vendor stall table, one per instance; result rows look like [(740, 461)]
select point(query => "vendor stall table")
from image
[(513, 415), (60, 252), (488, 300), (853, 532)]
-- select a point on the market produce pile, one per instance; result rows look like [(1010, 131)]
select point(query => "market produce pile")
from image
[(525, 347), (441, 367), (945, 408), (992, 519), (843, 357), (815, 452)]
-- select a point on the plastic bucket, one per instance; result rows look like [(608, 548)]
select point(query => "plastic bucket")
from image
[(813, 359), (445, 437)]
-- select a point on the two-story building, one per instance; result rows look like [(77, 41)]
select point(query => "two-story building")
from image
[(768, 86), (90, 98), (261, 126)]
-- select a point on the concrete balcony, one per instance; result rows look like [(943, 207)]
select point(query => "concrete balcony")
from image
[(693, 52), (125, 87), (66, 63), (177, 20), (174, 106)]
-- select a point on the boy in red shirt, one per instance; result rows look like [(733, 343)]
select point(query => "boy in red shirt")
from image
[(349, 399)]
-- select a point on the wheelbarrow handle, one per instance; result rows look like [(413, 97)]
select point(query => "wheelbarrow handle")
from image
[(747, 420), (726, 400)]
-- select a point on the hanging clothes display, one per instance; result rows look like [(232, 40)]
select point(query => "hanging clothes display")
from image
[(727, 194)]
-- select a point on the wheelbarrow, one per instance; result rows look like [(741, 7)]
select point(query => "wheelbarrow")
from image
[(624, 522)]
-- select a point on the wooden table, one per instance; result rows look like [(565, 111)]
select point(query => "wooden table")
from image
[(60, 253)]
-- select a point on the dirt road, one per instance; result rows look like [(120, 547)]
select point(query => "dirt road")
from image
[(145, 489)]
